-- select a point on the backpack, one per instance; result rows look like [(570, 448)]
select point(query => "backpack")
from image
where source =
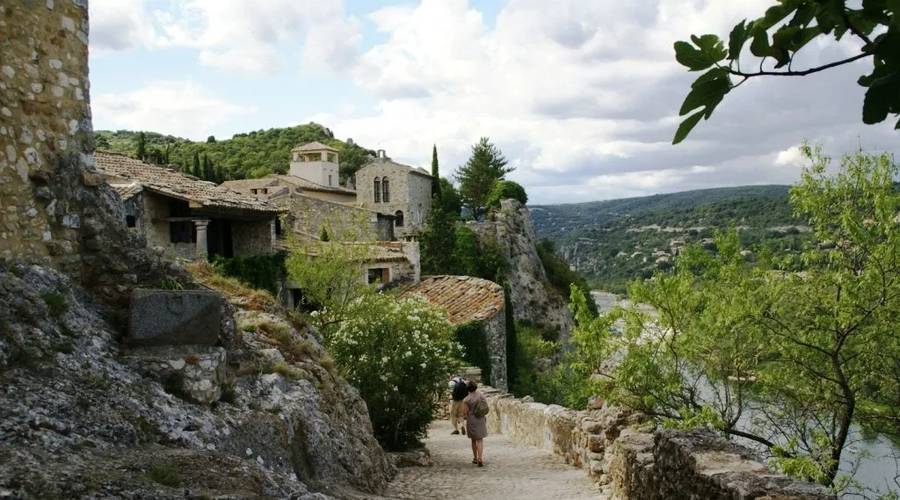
[(481, 408), (460, 391)]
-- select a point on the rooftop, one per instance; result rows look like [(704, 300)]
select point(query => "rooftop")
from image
[(129, 176), (382, 160), (465, 298), (314, 146), (274, 180)]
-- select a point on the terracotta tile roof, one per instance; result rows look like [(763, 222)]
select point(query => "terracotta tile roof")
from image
[(374, 252), (465, 298), (314, 146), (121, 170), (310, 185)]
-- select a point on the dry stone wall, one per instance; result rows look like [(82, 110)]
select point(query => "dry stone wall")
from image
[(630, 459)]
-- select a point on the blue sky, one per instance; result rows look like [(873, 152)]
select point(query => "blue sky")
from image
[(582, 97)]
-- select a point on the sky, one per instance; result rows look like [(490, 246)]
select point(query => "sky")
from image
[(581, 96)]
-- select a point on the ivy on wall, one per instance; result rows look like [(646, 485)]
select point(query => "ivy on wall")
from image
[(474, 340)]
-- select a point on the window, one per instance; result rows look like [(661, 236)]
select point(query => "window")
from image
[(130, 221), (265, 191), (331, 158), (378, 275), (253, 191), (182, 232), (398, 218), (377, 190), (329, 179), (385, 192)]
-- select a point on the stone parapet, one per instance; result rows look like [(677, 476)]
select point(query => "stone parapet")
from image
[(629, 458)]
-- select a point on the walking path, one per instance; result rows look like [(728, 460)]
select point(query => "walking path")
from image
[(510, 472)]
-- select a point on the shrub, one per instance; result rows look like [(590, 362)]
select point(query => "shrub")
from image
[(165, 474), (56, 303), (398, 353), (472, 337), (504, 190), (263, 272)]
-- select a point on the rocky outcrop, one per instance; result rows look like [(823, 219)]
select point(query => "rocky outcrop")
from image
[(629, 458), (533, 299), (256, 410), (82, 415)]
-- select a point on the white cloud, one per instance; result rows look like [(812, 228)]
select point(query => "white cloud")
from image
[(583, 96), (260, 37), (790, 157), (180, 108)]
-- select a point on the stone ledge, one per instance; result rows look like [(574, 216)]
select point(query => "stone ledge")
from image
[(621, 451)]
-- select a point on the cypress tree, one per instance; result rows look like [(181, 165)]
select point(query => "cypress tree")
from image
[(207, 168), (435, 174), (195, 171), (141, 146)]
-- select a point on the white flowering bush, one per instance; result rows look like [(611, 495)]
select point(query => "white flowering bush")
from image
[(398, 353)]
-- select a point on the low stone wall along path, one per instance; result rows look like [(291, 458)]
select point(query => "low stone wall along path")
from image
[(510, 472)]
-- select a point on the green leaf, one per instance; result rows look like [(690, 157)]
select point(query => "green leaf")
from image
[(712, 74), (760, 45), (688, 56), (708, 93), (736, 40), (711, 47), (882, 96), (686, 126)]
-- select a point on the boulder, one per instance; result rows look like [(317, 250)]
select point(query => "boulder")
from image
[(174, 317)]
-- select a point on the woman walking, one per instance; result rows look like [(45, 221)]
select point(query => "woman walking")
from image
[(475, 413)]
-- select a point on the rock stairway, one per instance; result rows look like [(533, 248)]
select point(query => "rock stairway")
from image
[(511, 472)]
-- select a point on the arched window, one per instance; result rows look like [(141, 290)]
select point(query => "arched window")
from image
[(398, 218), (377, 190), (385, 192)]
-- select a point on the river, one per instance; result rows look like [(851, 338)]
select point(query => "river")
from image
[(878, 457)]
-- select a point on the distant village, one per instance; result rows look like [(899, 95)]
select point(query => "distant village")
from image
[(188, 218)]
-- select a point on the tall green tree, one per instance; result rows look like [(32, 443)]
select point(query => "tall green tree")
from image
[(790, 360), (785, 29), (435, 174), (476, 178), (207, 168), (196, 171), (141, 147), (438, 242)]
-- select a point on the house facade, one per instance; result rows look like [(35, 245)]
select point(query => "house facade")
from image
[(188, 218), (395, 189)]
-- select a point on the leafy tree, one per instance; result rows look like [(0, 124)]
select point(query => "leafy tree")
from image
[(789, 360), (435, 174), (101, 142), (397, 353), (486, 166), (438, 242), (505, 190), (448, 198), (211, 139), (323, 234), (141, 148), (793, 24)]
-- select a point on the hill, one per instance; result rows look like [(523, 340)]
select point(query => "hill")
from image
[(245, 155), (616, 241)]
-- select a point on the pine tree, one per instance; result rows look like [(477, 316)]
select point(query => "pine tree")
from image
[(435, 174), (141, 152), (477, 177)]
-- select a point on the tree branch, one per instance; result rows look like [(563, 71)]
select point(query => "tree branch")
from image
[(800, 73)]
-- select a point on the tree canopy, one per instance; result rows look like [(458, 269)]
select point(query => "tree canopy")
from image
[(777, 36), (477, 177)]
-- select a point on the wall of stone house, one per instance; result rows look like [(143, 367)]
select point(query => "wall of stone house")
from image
[(253, 237), (44, 119), (134, 207), (629, 458), (310, 214), (346, 198), (409, 193), (419, 199), (495, 337)]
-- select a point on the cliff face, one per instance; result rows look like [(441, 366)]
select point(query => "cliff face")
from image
[(533, 298), (257, 411)]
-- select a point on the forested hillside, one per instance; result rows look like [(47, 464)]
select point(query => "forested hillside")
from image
[(613, 242), (247, 155)]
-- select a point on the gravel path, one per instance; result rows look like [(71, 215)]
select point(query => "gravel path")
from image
[(510, 472)]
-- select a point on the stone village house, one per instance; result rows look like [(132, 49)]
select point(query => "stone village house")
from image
[(396, 189), (186, 217)]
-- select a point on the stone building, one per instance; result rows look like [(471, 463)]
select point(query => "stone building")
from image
[(466, 299), (395, 189), (186, 217), (316, 162), (309, 207)]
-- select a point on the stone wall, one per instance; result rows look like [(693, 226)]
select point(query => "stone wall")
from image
[(533, 298), (630, 459), (309, 214), (253, 237), (410, 193), (495, 337)]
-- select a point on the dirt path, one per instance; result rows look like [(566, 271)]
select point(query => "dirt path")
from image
[(510, 472)]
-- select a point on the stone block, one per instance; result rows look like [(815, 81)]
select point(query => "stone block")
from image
[(174, 317)]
